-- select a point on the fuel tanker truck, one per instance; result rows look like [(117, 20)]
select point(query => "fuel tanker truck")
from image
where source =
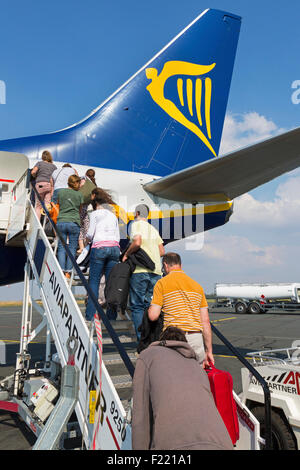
[(258, 298)]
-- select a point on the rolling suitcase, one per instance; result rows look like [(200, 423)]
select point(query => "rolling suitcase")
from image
[(221, 386)]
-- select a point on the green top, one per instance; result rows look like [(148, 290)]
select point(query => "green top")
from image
[(69, 203)]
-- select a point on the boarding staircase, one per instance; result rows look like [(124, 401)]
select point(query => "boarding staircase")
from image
[(100, 358), (82, 391)]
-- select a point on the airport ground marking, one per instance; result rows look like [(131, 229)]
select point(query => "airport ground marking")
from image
[(38, 342), (18, 342), (231, 357), (224, 356), (223, 319)]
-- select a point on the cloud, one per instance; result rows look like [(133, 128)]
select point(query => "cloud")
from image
[(260, 242), (241, 130), (228, 257), (240, 251), (283, 211)]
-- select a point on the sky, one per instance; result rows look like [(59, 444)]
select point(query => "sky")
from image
[(61, 59)]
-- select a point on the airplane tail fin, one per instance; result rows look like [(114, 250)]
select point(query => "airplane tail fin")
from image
[(170, 114), (167, 117)]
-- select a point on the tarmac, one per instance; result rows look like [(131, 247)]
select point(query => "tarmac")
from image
[(247, 333)]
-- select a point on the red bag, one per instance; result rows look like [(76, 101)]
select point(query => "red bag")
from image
[(221, 386)]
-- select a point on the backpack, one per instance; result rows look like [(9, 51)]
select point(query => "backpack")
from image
[(117, 286)]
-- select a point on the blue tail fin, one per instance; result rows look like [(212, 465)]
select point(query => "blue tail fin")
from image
[(170, 115), (167, 117)]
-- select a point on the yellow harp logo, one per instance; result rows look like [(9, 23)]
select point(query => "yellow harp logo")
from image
[(203, 90)]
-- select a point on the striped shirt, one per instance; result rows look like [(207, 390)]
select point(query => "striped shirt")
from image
[(180, 298)]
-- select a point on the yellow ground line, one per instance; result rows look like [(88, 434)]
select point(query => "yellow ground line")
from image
[(231, 357), (11, 304), (221, 355), (223, 319), (37, 342), (18, 342)]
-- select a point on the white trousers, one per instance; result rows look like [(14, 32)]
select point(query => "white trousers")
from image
[(195, 340)]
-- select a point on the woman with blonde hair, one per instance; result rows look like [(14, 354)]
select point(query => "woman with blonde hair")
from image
[(68, 222), (42, 172)]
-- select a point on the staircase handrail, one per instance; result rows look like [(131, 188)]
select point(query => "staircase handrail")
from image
[(126, 359)]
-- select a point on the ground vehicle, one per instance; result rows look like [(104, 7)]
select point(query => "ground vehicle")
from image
[(257, 298), (281, 369)]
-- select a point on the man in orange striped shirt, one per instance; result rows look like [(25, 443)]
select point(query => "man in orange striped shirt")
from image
[(184, 305)]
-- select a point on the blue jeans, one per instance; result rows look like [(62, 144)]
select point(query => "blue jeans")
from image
[(140, 295), (102, 261), (70, 230)]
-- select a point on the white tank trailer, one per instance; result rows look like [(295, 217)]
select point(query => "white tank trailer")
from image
[(255, 298)]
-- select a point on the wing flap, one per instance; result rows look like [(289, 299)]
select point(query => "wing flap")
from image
[(225, 178)]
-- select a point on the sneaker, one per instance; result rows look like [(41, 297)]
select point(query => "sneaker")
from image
[(68, 275)]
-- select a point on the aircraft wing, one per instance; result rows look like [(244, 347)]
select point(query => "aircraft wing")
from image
[(225, 178)]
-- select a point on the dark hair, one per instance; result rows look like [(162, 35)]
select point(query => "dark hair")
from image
[(102, 196), (91, 175), (171, 259), (173, 333), (67, 165)]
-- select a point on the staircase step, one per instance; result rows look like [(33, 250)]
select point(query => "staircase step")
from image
[(122, 381), (116, 368), (123, 339), (115, 359), (120, 325)]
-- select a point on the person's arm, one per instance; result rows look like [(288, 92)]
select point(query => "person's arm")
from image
[(51, 186), (133, 247), (154, 312), (92, 228), (156, 303), (81, 203), (34, 171), (207, 337), (161, 250)]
